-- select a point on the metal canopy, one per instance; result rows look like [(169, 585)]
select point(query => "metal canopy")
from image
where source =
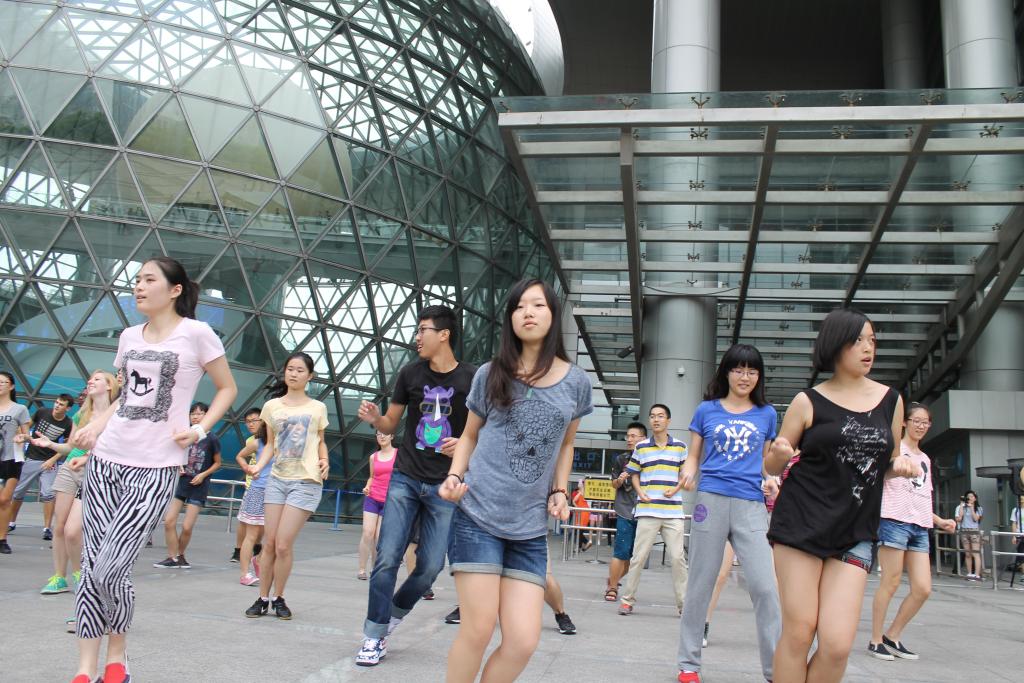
[(781, 206)]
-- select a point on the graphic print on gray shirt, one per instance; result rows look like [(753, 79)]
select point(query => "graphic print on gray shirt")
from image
[(511, 468)]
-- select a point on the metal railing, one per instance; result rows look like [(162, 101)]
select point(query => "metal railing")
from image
[(230, 499), (571, 534), (993, 554)]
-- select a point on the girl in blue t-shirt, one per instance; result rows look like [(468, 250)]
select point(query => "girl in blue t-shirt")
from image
[(732, 430)]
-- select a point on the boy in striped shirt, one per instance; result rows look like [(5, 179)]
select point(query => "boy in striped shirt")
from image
[(655, 468)]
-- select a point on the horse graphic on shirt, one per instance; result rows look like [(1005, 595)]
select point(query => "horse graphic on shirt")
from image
[(140, 381)]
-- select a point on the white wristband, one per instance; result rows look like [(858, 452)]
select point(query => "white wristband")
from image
[(200, 432)]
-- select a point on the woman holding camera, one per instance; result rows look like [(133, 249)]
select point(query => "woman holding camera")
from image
[(968, 517)]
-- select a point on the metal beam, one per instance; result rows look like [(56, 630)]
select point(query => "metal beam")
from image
[(882, 222), (764, 174), (934, 237), (795, 316), (791, 197), (791, 268), (631, 221)]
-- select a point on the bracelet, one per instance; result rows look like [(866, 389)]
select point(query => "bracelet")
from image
[(457, 476), (562, 491), (200, 432)]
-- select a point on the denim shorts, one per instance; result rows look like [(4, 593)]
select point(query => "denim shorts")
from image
[(860, 555), (476, 551), (903, 535), (625, 535), (299, 493), (189, 494)]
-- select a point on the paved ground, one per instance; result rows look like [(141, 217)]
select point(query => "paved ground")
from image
[(189, 624)]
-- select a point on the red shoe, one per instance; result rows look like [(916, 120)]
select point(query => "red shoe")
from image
[(689, 677), (81, 678), (255, 566), (116, 673)]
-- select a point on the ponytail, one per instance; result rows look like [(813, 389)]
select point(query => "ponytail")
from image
[(185, 304), (279, 388)]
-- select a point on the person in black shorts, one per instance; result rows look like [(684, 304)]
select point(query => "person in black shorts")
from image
[(190, 493)]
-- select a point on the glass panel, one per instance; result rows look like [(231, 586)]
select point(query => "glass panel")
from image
[(319, 172), (295, 99), (313, 213), (34, 184), (308, 29), (127, 7), (357, 163), (77, 167), (71, 315), (329, 284), (396, 261), (272, 225), (183, 51), (102, 327), (45, 93), (289, 141), (11, 152), (83, 120), (338, 244), (419, 147), (434, 258), (130, 106), (219, 77), (336, 54), (248, 152), (34, 360), (167, 134), (196, 14), (266, 270), (240, 196), (262, 70), (69, 259), (197, 209), (433, 214), (375, 233), (160, 180), (31, 233), (53, 48), (213, 122), (125, 277), (18, 22), (99, 34), (267, 29), (12, 117), (354, 313), (194, 252), (225, 281), (417, 184), (138, 60), (382, 193), (115, 195), (113, 243), (67, 377), (360, 122)]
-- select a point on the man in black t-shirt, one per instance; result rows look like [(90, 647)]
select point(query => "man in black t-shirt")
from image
[(433, 390), (41, 463)]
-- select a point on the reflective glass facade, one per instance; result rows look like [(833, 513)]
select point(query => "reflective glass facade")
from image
[(322, 168)]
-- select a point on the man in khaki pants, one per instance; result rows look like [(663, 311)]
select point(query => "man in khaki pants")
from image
[(654, 468)]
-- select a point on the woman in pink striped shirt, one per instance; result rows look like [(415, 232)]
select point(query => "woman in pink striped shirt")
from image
[(903, 541)]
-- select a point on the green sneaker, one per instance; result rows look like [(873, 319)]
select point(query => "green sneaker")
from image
[(78, 578), (56, 584)]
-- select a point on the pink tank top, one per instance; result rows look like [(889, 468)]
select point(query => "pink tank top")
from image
[(380, 474)]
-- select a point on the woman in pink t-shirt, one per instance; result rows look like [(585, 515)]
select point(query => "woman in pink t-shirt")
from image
[(382, 463), (903, 540), (137, 446)]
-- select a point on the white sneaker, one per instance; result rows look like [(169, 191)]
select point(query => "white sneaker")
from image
[(372, 651)]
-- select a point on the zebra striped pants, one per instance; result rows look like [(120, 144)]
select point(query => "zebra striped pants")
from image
[(121, 505)]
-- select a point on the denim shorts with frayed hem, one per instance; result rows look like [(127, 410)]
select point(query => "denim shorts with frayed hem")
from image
[(860, 555), (476, 551), (903, 535), (301, 494)]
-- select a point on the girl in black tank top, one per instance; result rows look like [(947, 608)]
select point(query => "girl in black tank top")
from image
[(826, 516)]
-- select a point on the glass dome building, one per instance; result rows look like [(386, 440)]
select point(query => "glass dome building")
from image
[(322, 168)]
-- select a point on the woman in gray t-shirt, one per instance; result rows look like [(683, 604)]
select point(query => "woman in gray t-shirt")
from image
[(509, 472), (14, 420)]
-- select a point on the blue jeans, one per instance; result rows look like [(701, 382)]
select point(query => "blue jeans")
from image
[(407, 499)]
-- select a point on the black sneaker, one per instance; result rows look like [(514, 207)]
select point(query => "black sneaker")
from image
[(281, 609), (897, 648), (235, 556), (5, 549), (429, 595), (565, 625), (257, 549), (183, 563), (707, 628), (47, 534), (453, 617), (258, 609), (169, 563), (11, 527), (879, 651)]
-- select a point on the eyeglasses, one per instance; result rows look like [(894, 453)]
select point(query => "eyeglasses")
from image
[(921, 423), (421, 330), (252, 421), (745, 372)]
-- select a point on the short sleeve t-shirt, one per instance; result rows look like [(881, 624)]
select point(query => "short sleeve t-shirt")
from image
[(968, 522), (200, 455), (76, 452), (625, 496), (10, 420), (1015, 515), (296, 433), (160, 382), (910, 500), (733, 458), (658, 467), (57, 431), (436, 409), (512, 466)]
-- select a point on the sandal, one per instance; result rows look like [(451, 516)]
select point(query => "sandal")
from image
[(611, 595)]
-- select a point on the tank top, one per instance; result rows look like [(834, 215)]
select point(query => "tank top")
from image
[(380, 476), (832, 498)]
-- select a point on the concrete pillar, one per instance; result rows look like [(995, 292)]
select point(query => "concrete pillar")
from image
[(903, 58), (570, 332), (978, 43), (687, 46)]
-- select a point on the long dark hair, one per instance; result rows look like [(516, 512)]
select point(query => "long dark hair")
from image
[(977, 503), (279, 388), (838, 330), (504, 366), (738, 356), (14, 394), (185, 304)]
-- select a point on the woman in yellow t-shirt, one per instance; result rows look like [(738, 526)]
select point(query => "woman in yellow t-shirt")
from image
[(295, 441)]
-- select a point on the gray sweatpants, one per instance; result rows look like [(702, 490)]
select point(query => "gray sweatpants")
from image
[(744, 523)]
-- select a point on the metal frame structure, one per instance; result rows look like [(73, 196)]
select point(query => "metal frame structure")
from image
[(917, 256)]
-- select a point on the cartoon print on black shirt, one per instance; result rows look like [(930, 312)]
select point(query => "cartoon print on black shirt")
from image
[(149, 378), (530, 431), (433, 427)]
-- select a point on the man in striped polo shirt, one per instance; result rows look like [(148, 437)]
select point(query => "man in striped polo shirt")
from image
[(655, 468)]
